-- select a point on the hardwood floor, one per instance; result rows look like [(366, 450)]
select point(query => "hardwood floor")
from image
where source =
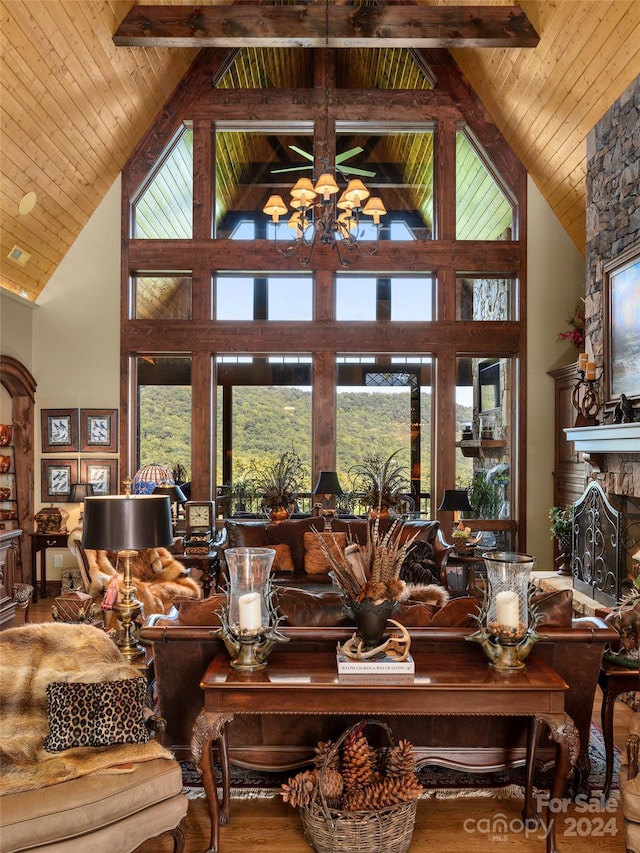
[(443, 826), (451, 826)]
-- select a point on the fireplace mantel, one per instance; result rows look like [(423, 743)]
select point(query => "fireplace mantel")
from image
[(609, 438)]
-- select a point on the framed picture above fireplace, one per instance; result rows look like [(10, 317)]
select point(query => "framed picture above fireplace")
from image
[(622, 326)]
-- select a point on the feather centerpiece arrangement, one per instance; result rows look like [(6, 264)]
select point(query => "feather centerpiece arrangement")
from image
[(370, 571)]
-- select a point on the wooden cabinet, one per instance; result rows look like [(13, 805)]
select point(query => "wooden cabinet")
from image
[(9, 545), (21, 387), (8, 490), (568, 468)]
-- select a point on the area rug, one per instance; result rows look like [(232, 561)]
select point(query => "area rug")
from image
[(439, 782)]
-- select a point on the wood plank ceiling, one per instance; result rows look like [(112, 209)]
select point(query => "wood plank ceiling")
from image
[(74, 106)]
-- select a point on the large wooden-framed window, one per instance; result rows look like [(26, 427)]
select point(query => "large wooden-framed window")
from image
[(445, 292)]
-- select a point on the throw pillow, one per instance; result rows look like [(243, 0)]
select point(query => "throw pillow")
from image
[(96, 714), (419, 566), (246, 535), (283, 561), (315, 561)]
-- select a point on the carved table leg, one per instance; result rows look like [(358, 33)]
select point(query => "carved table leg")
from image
[(529, 815), (606, 718), (563, 731), (208, 727)]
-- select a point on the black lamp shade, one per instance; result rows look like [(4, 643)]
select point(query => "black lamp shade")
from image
[(123, 523), (174, 493), (455, 500), (80, 491), (327, 484)]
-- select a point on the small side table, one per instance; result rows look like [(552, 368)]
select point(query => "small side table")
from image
[(462, 581), (40, 542), (207, 564), (613, 681)]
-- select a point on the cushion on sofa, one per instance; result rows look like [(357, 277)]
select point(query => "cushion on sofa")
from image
[(307, 609), (283, 561), (424, 530), (556, 608), (78, 806), (316, 561), (291, 533), (419, 566), (246, 534), (203, 612)]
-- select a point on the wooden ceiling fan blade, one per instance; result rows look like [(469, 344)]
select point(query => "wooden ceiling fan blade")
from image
[(350, 153)]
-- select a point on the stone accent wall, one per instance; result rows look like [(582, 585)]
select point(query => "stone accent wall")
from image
[(613, 225)]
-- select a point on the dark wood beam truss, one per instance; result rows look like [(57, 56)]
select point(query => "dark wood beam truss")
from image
[(253, 25)]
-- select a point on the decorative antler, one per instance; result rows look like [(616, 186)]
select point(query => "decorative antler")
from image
[(396, 646)]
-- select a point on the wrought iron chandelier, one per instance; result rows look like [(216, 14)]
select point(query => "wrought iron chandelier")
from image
[(320, 215)]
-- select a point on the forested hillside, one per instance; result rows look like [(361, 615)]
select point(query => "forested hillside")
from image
[(271, 420)]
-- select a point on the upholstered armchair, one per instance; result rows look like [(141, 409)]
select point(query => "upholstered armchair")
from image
[(158, 577), (79, 769), (630, 787)]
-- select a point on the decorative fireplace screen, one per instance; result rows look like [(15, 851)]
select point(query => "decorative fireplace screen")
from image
[(595, 561), (603, 539)]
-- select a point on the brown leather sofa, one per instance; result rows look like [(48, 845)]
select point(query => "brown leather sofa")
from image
[(291, 535), (183, 647)]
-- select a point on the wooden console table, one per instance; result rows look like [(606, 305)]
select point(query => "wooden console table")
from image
[(454, 684)]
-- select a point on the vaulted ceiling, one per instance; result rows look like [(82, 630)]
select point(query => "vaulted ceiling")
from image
[(74, 106)]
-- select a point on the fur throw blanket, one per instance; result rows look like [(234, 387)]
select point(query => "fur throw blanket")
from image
[(157, 577), (30, 658)]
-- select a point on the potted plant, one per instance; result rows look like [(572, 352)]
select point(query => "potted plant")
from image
[(239, 492), (278, 482), (381, 484), (561, 526), (485, 494)]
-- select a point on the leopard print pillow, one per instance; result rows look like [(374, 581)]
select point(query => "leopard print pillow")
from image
[(99, 714)]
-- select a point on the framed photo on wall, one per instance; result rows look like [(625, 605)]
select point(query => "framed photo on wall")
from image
[(98, 430), (102, 474), (56, 480), (59, 430), (622, 331)]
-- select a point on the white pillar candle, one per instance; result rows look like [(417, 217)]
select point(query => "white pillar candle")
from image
[(507, 609), (250, 611)]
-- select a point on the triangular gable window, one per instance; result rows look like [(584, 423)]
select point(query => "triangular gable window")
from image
[(164, 209), (483, 210)]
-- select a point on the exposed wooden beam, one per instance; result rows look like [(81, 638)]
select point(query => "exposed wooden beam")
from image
[(254, 25)]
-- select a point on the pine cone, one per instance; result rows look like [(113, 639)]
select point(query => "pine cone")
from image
[(332, 787), (358, 764), (298, 790), (388, 792), (401, 760), (321, 752)]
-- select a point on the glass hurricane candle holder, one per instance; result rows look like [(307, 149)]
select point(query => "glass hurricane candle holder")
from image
[(249, 619), (248, 570), (506, 625), (508, 576)]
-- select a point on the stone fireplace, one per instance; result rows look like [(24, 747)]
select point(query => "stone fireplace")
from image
[(607, 516)]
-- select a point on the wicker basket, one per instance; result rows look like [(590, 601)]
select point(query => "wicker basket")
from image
[(387, 830)]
